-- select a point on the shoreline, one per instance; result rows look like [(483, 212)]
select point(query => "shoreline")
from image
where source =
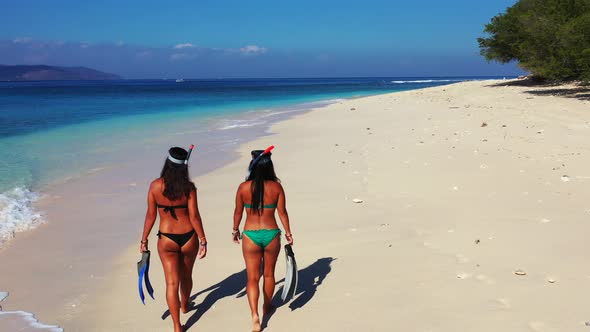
[(66, 153), (433, 179), (109, 185)]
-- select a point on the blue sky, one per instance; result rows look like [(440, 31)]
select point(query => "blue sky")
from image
[(223, 38)]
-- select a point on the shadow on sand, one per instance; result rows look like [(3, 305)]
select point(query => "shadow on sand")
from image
[(575, 90), (230, 286), (310, 278)]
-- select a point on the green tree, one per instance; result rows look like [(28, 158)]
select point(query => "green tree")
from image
[(549, 38)]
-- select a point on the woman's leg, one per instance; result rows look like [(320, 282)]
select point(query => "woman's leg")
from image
[(252, 257), (170, 258), (187, 261), (271, 253)]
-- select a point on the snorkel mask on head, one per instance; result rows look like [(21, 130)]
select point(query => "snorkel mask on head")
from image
[(182, 161), (253, 163)]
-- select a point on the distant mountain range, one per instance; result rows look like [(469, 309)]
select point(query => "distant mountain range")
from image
[(52, 73)]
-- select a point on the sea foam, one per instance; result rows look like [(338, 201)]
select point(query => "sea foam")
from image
[(425, 81), (24, 321), (232, 124), (17, 213)]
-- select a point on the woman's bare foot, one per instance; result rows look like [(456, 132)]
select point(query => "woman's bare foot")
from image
[(256, 324)]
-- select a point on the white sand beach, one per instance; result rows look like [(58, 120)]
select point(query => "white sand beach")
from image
[(472, 214)]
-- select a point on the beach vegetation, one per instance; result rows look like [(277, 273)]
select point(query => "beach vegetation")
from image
[(548, 38)]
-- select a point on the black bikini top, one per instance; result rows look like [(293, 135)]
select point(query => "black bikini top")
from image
[(170, 209)]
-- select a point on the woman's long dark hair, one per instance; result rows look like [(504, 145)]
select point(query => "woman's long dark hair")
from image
[(177, 183), (262, 171)]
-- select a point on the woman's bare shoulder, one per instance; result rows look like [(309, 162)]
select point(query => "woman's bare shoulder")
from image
[(276, 184), (156, 184)]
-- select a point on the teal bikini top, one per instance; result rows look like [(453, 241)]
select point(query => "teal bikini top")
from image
[(266, 206)]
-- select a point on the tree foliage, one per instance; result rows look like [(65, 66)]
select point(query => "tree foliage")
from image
[(549, 38)]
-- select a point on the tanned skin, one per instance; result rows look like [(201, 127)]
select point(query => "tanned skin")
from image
[(253, 254), (177, 262)]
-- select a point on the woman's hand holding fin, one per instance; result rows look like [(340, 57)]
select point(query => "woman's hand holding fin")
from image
[(289, 238), (143, 247), (236, 236), (202, 250)]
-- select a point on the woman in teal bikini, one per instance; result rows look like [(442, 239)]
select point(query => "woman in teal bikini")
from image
[(261, 195)]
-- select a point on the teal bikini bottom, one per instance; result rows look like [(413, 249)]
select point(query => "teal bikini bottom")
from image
[(262, 237)]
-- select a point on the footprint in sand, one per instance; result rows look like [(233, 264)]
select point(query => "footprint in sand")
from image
[(485, 279), (463, 275), (537, 326), (461, 258), (503, 303), (429, 245)]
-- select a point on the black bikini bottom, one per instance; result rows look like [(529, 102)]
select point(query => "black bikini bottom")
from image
[(180, 239)]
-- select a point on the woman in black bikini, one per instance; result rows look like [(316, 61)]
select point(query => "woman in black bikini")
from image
[(175, 197)]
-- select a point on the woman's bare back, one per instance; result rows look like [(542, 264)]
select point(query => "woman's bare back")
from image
[(273, 193), (167, 222)]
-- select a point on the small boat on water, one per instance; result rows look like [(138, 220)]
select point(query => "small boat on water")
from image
[(179, 80)]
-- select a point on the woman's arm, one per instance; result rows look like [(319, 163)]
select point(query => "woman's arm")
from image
[(197, 222), (284, 215), (150, 218), (238, 213)]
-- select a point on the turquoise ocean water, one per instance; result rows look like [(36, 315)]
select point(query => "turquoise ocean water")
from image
[(51, 131)]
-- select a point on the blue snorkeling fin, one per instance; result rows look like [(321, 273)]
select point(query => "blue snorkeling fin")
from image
[(143, 269)]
